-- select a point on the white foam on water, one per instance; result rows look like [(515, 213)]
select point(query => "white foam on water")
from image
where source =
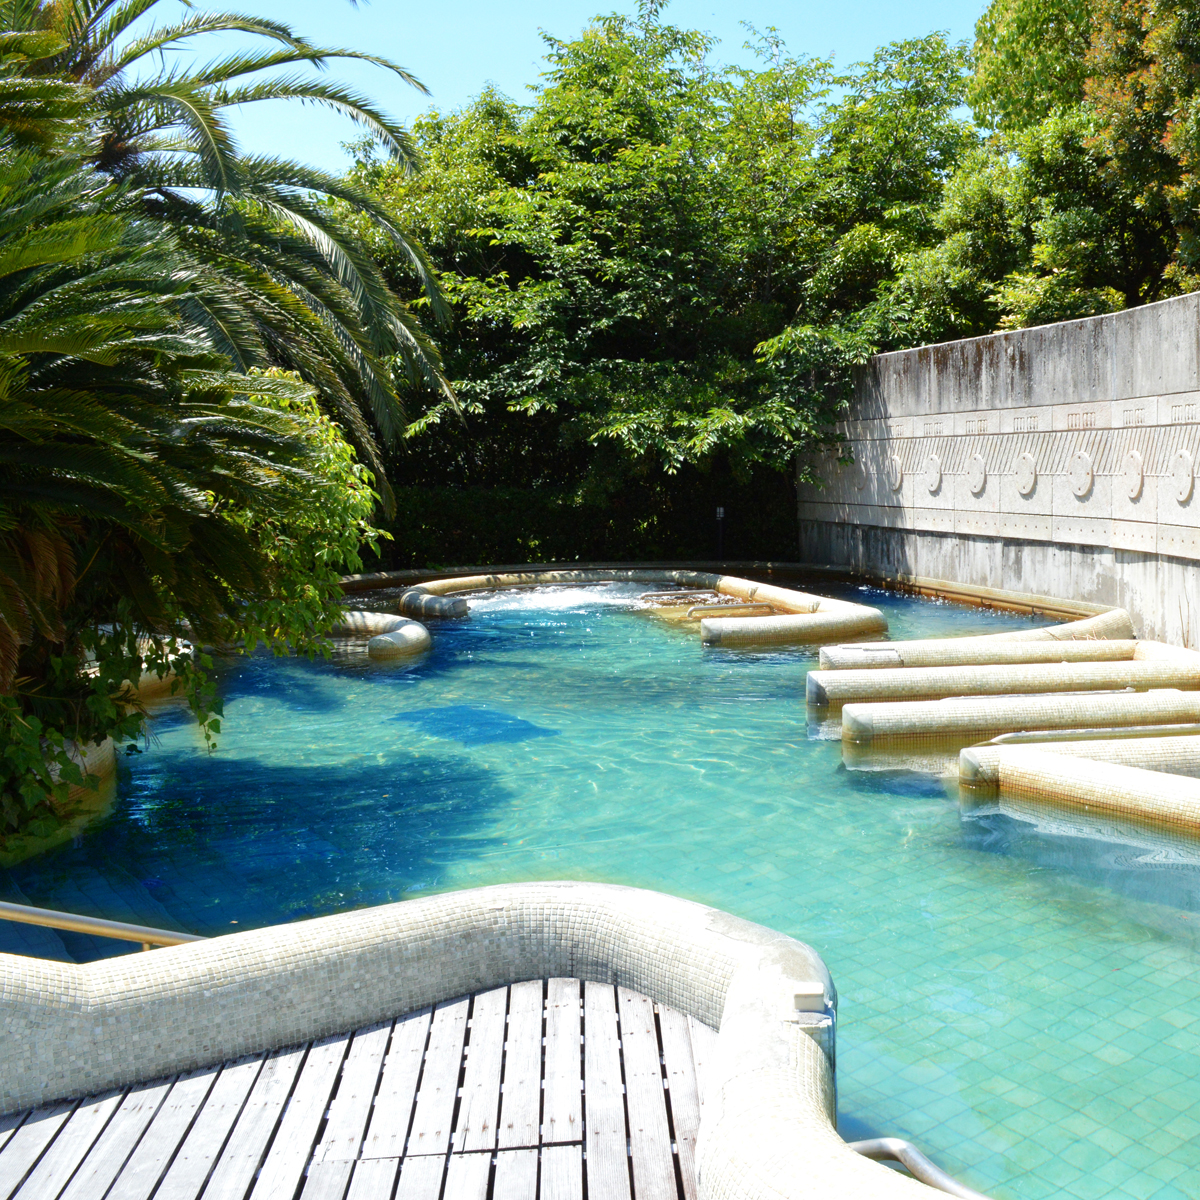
[(559, 598)]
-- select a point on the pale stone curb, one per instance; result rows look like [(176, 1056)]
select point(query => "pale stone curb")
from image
[(807, 618), (768, 1128)]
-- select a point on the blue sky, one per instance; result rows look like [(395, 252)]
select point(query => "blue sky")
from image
[(457, 46)]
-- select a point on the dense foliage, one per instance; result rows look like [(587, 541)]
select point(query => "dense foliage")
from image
[(663, 271), (1084, 199), (180, 326), (659, 271)]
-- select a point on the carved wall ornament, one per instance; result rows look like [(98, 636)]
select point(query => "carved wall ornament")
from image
[(895, 473), (932, 474), (1080, 473), (976, 474), (1183, 475), (1026, 473), (1134, 472)]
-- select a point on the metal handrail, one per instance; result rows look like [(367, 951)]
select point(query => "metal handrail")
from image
[(919, 1167), (121, 930)]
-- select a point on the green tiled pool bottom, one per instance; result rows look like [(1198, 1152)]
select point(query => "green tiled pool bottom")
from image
[(1023, 1006)]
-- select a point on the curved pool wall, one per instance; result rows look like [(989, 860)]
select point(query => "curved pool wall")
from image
[(1017, 1003), (804, 618), (1058, 460), (768, 1127), (1139, 785)]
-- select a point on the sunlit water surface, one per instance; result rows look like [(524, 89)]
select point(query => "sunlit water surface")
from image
[(1023, 1006)]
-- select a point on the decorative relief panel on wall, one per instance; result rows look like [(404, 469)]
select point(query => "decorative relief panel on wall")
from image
[(1026, 474), (1118, 474), (1135, 474), (1183, 475), (932, 474), (1080, 473), (1067, 457), (976, 474)]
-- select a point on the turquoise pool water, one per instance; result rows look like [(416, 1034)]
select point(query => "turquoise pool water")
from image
[(1025, 1007)]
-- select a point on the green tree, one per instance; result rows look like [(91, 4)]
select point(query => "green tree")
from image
[(618, 251), (1143, 86), (1082, 202), (300, 291), (886, 149), (132, 463), (1029, 60), (169, 471)]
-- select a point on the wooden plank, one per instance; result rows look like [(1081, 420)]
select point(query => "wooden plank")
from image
[(351, 1107), (562, 1173), (645, 1101), (199, 1113), (327, 1180), (421, 1178), (467, 1176), (114, 1146), (704, 1047), (374, 1178), (521, 1092), (28, 1143), (681, 1092), (605, 1137), (562, 1111), (516, 1175), (252, 1129), (293, 1144), (71, 1147), (9, 1125), (388, 1130), (439, 1080), (475, 1128)]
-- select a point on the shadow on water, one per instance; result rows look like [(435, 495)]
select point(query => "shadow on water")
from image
[(473, 726), (243, 844), (1158, 875), (893, 784)]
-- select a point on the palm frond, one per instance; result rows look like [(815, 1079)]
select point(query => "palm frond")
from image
[(194, 26), (180, 102)]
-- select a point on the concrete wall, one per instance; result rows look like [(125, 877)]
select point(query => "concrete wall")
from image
[(1059, 460)]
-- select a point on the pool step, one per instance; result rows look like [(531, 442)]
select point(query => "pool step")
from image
[(115, 895), (35, 941)]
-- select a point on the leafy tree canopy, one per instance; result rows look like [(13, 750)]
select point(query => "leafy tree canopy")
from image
[(622, 252), (1084, 201), (664, 271), (1029, 60)]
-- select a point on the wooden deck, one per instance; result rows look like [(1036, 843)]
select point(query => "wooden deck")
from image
[(546, 1090)]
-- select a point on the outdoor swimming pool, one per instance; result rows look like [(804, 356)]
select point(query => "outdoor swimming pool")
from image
[(1024, 1007)]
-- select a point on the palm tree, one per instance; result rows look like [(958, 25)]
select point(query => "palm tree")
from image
[(126, 437), (146, 267), (36, 111), (301, 290)]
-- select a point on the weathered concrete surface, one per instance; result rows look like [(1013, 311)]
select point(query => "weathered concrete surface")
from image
[(1059, 460)]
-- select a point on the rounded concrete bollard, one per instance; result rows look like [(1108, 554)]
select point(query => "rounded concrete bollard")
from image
[(356, 623), (409, 638)]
